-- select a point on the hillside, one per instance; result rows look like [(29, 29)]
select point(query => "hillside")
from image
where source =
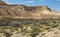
[(22, 11), (28, 21)]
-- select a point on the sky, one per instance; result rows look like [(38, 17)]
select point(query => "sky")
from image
[(53, 4)]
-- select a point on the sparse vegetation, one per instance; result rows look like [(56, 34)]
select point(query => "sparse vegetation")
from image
[(31, 26)]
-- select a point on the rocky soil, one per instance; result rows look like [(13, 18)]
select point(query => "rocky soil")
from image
[(30, 28), (50, 33)]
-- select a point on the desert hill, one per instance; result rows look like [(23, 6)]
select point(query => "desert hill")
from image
[(28, 21), (22, 11)]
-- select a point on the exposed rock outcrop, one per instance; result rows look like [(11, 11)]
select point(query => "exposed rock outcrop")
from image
[(22, 11)]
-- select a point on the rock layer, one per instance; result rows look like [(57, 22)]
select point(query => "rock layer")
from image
[(22, 11)]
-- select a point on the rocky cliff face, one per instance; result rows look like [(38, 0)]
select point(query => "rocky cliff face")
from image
[(22, 11)]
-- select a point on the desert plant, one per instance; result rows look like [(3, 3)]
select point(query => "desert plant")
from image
[(7, 34)]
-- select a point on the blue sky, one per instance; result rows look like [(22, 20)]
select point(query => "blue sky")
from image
[(53, 4)]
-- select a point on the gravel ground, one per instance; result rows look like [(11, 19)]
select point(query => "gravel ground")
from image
[(50, 33)]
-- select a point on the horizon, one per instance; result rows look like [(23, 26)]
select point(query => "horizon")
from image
[(52, 4)]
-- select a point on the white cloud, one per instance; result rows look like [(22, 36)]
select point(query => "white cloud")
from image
[(9, 3), (14, 3), (30, 2)]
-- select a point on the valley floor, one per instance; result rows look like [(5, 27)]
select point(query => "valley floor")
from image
[(30, 28)]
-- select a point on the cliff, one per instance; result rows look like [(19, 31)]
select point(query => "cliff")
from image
[(22, 11)]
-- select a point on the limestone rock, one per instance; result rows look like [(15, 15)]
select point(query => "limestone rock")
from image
[(22, 11)]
